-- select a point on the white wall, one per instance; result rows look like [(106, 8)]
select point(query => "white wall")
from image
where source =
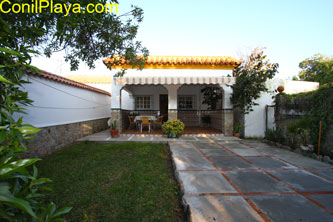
[(56, 103), (102, 86), (255, 121), (144, 90)]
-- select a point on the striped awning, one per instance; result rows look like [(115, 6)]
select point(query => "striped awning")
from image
[(156, 80)]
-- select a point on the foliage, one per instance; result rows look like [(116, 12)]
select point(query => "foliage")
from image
[(84, 37), (175, 127), (318, 107), (211, 96), (317, 68), (251, 77), (274, 135), (114, 182), (206, 119), (238, 127), (114, 125), (20, 188)]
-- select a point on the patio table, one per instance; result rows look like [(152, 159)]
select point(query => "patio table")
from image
[(139, 118)]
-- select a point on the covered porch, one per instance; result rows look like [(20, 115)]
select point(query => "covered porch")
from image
[(173, 98)]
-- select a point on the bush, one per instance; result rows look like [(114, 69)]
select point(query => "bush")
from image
[(274, 135), (175, 127), (206, 119)]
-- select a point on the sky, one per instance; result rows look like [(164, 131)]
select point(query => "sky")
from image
[(290, 31)]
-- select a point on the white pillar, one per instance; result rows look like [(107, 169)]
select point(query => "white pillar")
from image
[(172, 100), (116, 104)]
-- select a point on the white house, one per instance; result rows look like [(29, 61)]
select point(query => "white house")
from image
[(171, 86)]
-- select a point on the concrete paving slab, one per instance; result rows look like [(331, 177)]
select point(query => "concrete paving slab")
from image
[(278, 151), (290, 208), (208, 146), (231, 163), (181, 144), (324, 199), (180, 151), (256, 181), (303, 181), (216, 152), (220, 208), (205, 139), (305, 162), (328, 174), (268, 163), (205, 182), (247, 152), (233, 145), (192, 163)]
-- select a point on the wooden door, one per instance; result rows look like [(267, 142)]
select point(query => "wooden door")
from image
[(164, 106)]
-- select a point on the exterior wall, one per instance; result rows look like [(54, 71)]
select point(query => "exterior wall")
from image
[(144, 90), (255, 121), (58, 104), (102, 86), (63, 112), (52, 138)]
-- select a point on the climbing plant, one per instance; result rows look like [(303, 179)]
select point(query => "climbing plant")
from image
[(315, 106), (211, 96)]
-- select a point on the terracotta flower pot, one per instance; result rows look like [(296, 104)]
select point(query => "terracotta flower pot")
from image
[(114, 133), (237, 135), (280, 89)]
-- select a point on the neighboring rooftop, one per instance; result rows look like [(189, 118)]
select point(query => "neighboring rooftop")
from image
[(91, 79), (63, 80), (178, 62)]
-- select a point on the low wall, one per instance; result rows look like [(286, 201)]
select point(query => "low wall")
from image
[(52, 138)]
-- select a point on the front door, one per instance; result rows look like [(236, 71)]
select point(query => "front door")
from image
[(164, 107)]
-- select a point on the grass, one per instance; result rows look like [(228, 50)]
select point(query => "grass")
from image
[(114, 182)]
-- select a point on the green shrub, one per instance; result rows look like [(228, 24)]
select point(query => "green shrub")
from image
[(175, 127), (206, 119), (274, 135)]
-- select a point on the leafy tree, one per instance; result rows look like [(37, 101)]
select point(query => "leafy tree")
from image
[(84, 37), (317, 68), (251, 77)]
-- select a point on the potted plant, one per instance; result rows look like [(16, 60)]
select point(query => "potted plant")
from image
[(173, 128), (206, 120), (237, 129), (114, 131)]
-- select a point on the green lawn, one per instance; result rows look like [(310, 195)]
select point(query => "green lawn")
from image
[(114, 182)]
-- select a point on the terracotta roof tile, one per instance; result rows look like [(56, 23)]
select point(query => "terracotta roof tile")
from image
[(63, 80), (181, 60)]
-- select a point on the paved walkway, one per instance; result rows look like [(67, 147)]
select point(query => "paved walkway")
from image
[(250, 181), (232, 180)]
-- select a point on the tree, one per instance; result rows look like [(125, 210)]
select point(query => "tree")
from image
[(251, 77), (84, 37), (317, 68)]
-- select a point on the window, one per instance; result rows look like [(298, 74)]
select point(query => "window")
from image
[(142, 102), (186, 102)]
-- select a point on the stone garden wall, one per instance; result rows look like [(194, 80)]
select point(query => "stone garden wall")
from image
[(53, 138)]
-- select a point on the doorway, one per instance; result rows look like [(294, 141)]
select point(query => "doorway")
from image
[(164, 106)]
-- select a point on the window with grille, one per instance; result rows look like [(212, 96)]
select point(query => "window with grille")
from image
[(142, 102), (186, 102)]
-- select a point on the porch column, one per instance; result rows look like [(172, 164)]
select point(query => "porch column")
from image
[(228, 113), (172, 100), (116, 104)]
